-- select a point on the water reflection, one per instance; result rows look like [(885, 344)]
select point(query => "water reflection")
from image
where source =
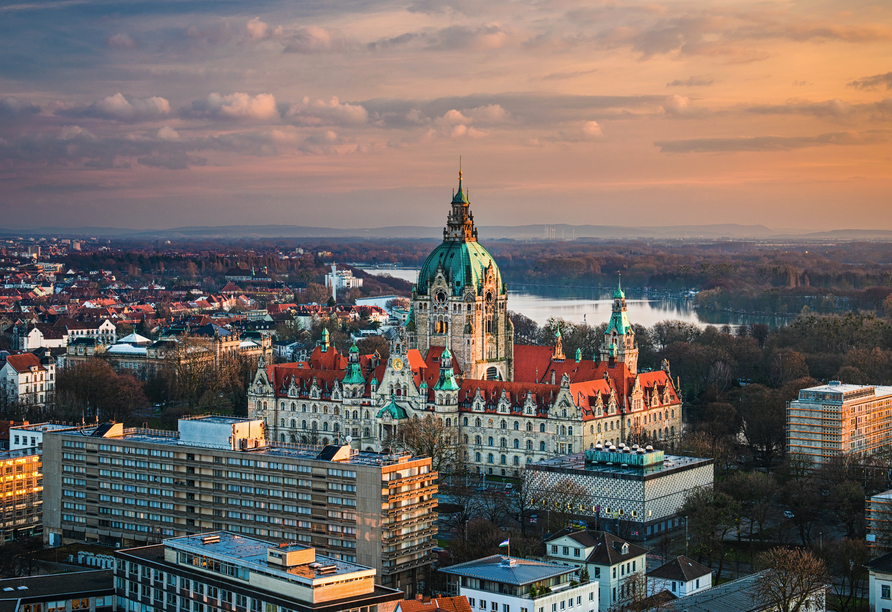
[(593, 305)]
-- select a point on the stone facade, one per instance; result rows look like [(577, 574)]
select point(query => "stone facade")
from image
[(455, 359)]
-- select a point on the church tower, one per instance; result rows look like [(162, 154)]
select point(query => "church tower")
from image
[(619, 338), (461, 302)]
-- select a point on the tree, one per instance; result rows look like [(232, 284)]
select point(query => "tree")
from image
[(526, 331), (793, 580), (483, 539), (522, 503), (763, 418), (847, 560), (711, 515), (756, 492), (560, 503), (429, 437), (370, 344), (92, 390), (192, 363)]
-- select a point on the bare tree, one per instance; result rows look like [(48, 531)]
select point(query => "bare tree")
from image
[(793, 580), (521, 502), (429, 436), (847, 560)]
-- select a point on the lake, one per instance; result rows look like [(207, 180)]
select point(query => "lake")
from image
[(593, 305)]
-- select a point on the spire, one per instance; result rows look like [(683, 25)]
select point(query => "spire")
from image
[(618, 294), (325, 340), (460, 222)]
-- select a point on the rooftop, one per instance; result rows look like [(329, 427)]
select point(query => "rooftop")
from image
[(734, 596), (253, 554), (577, 462), (65, 586), (509, 570)]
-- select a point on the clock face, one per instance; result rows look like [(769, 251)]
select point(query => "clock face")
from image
[(397, 364), (440, 297)]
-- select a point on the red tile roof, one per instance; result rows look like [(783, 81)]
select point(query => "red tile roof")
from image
[(24, 362)]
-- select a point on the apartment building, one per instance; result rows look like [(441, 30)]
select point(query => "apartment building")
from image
[(21, 501), (125, 487), (836, 419), (236, 573)]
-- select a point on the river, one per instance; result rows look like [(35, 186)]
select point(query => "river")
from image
[(593, 305)]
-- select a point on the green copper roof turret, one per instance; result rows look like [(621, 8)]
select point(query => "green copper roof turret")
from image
[(619, 287), (395, 410)]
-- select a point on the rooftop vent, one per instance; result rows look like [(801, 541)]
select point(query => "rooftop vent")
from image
[(22, 588), (210, 539), (327, 569), (8, 589)]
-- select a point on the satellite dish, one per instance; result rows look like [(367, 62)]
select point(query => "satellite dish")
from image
[(349, 439)]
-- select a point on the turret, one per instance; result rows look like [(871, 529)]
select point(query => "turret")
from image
[(619, 337)]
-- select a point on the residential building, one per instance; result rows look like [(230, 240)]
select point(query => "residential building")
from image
[(618, 566), (878, 513), (28, 378), (90, 591), (27, 336), (637, 491), (680, 576), (226, 571), (838, 419), (122, 487), (339, 280), (507, 584), (880, 583), (455, 359), (31, 435), (104, 331), (21, 504), (434, 604)]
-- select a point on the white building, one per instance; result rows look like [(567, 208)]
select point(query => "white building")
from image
[(681, 577), (835, 419), (618, 566), (31, 436), (880, 585), (341, 279), (28, 379), (506, 584)]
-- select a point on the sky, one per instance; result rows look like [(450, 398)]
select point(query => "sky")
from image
[(168, 113)]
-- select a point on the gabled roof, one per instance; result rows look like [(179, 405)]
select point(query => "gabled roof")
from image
[(24, 362), (682, 569), (607, 547)]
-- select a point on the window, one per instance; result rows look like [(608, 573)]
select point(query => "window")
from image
[(886, 594), (575, 552)]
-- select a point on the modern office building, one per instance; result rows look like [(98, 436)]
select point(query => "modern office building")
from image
[(90, 591), (837, 419), (31, 435), (505, 584), (633, 491), (21, 502), (125, 487), (226, 571)]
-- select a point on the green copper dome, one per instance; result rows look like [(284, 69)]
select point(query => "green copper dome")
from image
[(464, 263)]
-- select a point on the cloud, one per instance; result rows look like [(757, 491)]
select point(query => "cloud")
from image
[(235, 106), (591, 129), (167, 133), (332, 112), (171, 160), (457, 37), (835, 108), (693, 81), (771, 143), (120, 108), (873, 82), (13, 108), (121, 41), (71, 132), (682, 106), (258, 30), (560, 76), (315, 39)]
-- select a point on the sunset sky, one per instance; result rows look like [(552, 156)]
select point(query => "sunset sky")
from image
[(165, 113)]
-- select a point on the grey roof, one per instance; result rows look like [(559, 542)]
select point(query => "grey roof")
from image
[(607, 547), (681, 568), (734, 596), (521, 572), (882, 564), (59, 586)]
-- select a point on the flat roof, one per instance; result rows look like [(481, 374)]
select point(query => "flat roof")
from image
[(252, 553), (519, 572), (64, 586), (43, 427), (576, 462), (19, 453)]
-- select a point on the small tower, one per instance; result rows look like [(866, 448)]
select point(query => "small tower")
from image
[(325, 340), (558, 354), (619, 337)]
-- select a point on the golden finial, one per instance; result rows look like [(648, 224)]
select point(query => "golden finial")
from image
[(459, 167)]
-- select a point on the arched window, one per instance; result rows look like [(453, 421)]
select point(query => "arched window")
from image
[(599, 428), (490, 423), (490, 441), (563, 430), (303, 424), (529, 459), (365, 432), (541, 427), (591, 429), (503, 425), (314, 426), (477, 440), (337, 428), (477, 457), (516, 426), (283, 422), (516, 443), (264, 405), (529, 427), (465, 421), (569, 431), (542, 446), (337, 411), (477, 422), (356, 414), (503, 442), (325, 426), (466, 438), (516, 460), (489, 458), (303, 408), (293, 407), (448, 422), (293, 423), (282, 437), (503, 459), (529, 445)]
